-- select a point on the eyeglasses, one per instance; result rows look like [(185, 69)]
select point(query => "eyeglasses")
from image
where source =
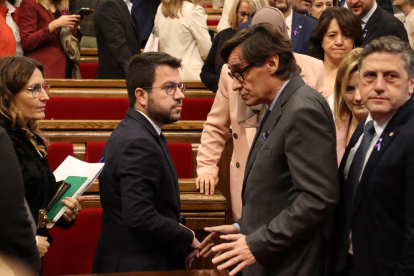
[(171, 88), (238, 74), (36, 89), (243, 14)]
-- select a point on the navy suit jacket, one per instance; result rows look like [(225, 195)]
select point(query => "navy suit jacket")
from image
[(144, 12), (141, 203), (302, 28), (384, 4), (382, 220), (381, 24)]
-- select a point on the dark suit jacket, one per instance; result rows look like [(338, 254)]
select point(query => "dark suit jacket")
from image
[(141, 203), (302, 28), (381, 24), (290, 186), (144, 12), (384, 4), (382, 221), (16, 237), (117, 36)]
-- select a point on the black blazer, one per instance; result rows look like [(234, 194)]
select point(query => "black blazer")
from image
[(382, 221), (16, 236), (302, 28), (141, 203), (381, 24), (117, 36)]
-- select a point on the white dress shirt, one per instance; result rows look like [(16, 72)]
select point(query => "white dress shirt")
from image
[(129, 5), (157, 128), (365, 19), (289, 23)]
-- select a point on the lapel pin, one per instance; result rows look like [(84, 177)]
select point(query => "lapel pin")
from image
[(378, 145), (295, 31), (391, 134), (300, 26)]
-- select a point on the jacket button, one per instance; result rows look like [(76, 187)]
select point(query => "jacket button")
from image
[(235, 136), (237, 165)]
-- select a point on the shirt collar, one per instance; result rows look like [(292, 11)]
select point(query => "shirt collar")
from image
[(278, 95), (10, 7), (369, 14), (157, 128), (380, 124), (289, 21)]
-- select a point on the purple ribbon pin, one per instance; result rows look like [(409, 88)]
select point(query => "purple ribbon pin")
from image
[(365, 32), (265, 135), (378, 145), (295, 31)]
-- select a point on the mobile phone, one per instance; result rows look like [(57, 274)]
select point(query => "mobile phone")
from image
[(84, 12)]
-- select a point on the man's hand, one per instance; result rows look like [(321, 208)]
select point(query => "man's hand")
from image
[(236, 252), (74, 208), (42, 245), (195, 253), (214, 238), (207, 182)]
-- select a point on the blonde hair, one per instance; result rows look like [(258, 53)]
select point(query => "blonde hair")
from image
[(254, 4), (15, 72), (60, 5), (348, 65), (172, 8)]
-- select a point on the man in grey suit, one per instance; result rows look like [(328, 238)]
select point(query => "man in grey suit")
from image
[(290, 186)]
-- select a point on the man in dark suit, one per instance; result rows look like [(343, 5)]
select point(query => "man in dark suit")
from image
[(376, 210), (375, 21), (117, 36), (141, 228), (290, 186), (144, 12), (384, 4)]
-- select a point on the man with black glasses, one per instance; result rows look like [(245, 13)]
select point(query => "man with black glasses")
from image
[(141, 229)]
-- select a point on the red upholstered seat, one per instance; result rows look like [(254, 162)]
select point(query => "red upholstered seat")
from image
[(73, 249), (88, 70), (57, 153), (78, 108), (212, 22), (181, 153), (196, 108)]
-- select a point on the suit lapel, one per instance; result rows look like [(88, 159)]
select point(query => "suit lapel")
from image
[(172, 166), (372, 24), (127, 14), (296, 31), (390, 132), (270, 124)]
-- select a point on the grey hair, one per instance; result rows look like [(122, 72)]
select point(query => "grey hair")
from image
[(392, 45)]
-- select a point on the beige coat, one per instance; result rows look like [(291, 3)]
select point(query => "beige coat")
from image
[(223, 114), (186, 38)]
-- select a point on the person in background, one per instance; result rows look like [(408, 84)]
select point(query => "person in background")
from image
[(88, 25), (349, 110), (224, 19), (182, 30), (301, 6), (23, 97), (144, 12), (319, 6), (338, 31), (17, 231), (240, 12), (9, 31), (406, 6), (40, 23)]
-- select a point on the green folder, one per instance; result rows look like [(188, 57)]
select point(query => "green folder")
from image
[(76, 182)]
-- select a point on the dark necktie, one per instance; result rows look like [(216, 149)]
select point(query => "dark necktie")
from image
[(163, 138), (355, 170), (265, 118)]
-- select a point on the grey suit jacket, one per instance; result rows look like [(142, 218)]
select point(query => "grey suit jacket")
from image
[(290, 187)]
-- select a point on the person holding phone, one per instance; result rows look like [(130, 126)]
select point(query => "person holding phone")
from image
[(40, 23)]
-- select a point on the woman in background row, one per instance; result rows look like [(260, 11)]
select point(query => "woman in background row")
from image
[(320, 5), (23, 97), (40, 22), (407, 7), (239, 13), (349, 110), (182, 30), (338, 31)]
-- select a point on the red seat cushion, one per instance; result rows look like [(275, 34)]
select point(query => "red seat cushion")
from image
[(73, 249), (212, 22), (94, 151), (196, 108), (77, 108), (88, 70), (57, 153), (181, 154)]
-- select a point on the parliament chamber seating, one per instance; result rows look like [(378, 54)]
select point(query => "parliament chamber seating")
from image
[(88, 70), (57, 153)]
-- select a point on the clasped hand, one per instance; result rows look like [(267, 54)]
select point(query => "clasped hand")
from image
[(74, 208)]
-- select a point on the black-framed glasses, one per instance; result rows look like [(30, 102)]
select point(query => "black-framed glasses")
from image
[(171, 88), (243, 14), (239, 74), (36, 89)]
